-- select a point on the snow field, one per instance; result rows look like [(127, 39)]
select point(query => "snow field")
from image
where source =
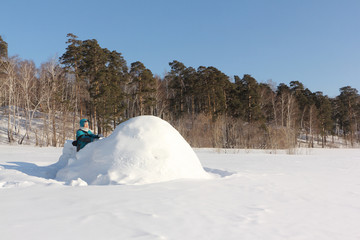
[(256, 195)]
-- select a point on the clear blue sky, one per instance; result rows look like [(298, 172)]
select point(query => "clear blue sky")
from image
[(316, 42)]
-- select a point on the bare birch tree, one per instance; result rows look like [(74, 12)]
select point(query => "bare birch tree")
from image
[(8, 67), (27, 84)]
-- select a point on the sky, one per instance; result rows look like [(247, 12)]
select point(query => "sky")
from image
[(316, 42)]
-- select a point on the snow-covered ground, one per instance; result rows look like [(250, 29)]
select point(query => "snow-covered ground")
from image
[(313, 194)]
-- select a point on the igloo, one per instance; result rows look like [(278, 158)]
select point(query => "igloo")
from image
[(144, 149)]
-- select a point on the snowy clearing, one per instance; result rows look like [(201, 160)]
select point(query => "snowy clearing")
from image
[(255, 194)]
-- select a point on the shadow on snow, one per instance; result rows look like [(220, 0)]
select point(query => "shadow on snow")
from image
[(31, 169), (221, 173), (49, 172)]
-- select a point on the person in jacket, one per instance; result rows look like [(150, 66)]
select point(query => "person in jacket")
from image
[(84, 135)]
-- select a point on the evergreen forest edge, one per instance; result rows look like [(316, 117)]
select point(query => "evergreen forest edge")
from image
[(205, 105)]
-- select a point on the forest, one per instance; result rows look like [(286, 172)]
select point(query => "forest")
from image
[(209, 108)]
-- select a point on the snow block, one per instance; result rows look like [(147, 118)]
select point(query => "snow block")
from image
[(142, 150)]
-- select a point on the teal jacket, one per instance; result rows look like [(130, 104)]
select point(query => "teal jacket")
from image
[(83, 138)]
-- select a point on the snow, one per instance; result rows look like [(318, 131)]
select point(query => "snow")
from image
[(313, 194), (142, 150)]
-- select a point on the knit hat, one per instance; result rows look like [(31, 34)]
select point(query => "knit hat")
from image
[(83, 121)]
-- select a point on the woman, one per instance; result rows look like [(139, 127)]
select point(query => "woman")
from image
[(84, 135)]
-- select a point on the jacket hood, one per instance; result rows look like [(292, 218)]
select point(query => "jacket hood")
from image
[(83, 121)]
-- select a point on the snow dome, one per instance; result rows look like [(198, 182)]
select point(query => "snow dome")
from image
[(142, 150)]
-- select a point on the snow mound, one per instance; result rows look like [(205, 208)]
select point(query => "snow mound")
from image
[(142, 150)]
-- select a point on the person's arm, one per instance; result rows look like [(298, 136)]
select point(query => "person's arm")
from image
[(93, 135)]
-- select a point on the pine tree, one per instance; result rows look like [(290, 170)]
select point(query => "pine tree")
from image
[(92, 68), (111, 92), (72, 60), (266, 95), (297, 89), (235, 104), (250, 96), (190, 91), (3, 49), (144, 86), (347, 104), (323, 106), (214, 88), (177, 87)]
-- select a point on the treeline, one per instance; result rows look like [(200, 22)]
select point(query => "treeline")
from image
[(207, 107)]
